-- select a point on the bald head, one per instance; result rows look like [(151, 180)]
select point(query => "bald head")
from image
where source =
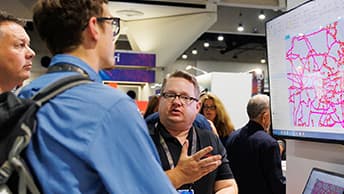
[(257, 105)]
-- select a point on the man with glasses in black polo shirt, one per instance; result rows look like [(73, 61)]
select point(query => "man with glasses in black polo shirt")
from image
[(194, 159)]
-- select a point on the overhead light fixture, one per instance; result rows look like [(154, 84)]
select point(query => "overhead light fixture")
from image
[(263, 60), (240, 28), (220, 38), (189, 67), (261, 16), (194, 51), (184, 56), (206, 44)]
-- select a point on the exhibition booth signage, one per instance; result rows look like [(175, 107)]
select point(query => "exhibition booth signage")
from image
[(132, 67)]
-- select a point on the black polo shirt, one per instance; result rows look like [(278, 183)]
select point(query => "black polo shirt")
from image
[(205, 138)]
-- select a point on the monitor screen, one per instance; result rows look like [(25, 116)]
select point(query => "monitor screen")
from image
[(306, 70), (322, 181)]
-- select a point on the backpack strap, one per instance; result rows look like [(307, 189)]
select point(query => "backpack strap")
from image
[(66, 67), (41, 97), (50, 91)]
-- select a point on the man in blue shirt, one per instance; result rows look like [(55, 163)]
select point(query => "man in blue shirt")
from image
[(91, 138)]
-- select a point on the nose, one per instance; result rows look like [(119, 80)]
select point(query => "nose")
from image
[(175, 100), (31, 53)]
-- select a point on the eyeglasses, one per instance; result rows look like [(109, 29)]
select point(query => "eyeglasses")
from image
[(209, 107), (183, 98), (115, 22)]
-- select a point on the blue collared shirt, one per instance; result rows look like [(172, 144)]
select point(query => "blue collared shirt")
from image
[(92, 139)]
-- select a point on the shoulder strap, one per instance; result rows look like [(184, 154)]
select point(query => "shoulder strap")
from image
[(58, 87), (66, 67)]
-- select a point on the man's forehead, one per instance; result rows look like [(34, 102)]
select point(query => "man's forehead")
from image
[(178, 80), (180, 85), (106, 10), (14, 30)]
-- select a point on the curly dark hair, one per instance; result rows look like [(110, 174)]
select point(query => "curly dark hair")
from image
[(61, 22)]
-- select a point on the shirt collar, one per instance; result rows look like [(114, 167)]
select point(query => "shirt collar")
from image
[(166, 134), (65, 58)]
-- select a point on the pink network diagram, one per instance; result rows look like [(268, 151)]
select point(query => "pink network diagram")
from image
[(321, 187), (316, 77)]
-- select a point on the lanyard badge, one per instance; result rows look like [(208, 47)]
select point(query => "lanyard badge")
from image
[(186, 191)]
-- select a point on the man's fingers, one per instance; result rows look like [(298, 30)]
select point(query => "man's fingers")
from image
[(209, 167), (202, 153), (216, 159)]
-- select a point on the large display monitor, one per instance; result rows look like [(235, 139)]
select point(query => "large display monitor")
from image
[(306, 71)]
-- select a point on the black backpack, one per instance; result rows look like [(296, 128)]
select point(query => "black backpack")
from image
[(17, 124)]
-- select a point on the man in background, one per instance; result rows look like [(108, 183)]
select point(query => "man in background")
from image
[(15, 52), (254, 155), (193, 158), (90, 138)]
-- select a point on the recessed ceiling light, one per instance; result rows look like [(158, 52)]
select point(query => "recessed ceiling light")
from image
[(240, 28), (261, 16), (206, 44), (220, 38), (194, 51), (184, 56), (262, 60)]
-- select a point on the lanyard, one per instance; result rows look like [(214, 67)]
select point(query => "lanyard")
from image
[(66, 67), (167, 151)]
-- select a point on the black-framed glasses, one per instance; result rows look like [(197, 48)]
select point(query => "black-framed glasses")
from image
[(183, 98), (115, 22), (205, 107)]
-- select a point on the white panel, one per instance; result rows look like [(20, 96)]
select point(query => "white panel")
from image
[(234, 90), (168, 37)]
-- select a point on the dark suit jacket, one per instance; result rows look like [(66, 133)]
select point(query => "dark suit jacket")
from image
[(255, 161)]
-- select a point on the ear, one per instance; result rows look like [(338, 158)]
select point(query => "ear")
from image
[(198, 106), (93, 28)]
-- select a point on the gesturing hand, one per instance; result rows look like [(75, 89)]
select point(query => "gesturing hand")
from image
[(191, 168)]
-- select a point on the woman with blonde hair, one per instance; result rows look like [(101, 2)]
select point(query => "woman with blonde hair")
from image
[(213, 109)]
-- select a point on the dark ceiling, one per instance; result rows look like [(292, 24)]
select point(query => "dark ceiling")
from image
[(234, 47)]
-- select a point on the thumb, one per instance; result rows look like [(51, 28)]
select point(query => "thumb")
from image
[(185, 147)]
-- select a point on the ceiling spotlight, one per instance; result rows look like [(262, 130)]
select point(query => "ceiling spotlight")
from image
[(240, 28), (261, 16), (184, 56), (194, 51), (263, 60), (206, 44), (220, 38)]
